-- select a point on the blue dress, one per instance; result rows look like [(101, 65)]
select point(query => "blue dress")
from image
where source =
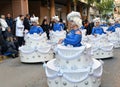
[(58, 27), (98, 30), (36, 29), (117, 25), (73, 39), (111, 28), (82, 27), (103, 25)]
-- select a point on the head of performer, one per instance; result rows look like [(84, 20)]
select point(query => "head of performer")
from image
[(34, 23), (96, 22), (103, 22), (74, 18), (55, 19), (34, 20)]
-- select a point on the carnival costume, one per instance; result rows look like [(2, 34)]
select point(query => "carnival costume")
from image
[(113, 34), (36, 29), (73, 66), (36, 48), (57, 32), (101, 47)]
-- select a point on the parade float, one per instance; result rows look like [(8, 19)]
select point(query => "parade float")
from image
[(73, 67), (101, 47), (36, 48)]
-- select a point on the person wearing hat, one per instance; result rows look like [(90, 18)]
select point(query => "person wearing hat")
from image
[(112, 26), (117, 24), (97, 29), (57, 25), (35, 28), (74, 37), (103, 24)]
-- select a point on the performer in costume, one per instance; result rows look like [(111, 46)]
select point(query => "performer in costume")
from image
[(103, 24), (112, 26), (35, 29), (97, 29), (57, 26), (74, 36)]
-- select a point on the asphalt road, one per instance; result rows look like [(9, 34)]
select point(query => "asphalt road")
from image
[(13, 73)]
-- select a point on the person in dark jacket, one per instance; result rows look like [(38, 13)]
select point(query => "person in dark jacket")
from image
[(45, 26), (88, 27), (9, 21), (10, 42), (26, 22)]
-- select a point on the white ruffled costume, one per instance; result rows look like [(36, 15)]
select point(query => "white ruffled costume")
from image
[(73, 66), (36, 48), (101, 47)]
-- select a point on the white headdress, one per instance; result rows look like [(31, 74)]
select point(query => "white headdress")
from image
[(55, 18), (103, 21), (96, 20), (34, 19), (75, 17)]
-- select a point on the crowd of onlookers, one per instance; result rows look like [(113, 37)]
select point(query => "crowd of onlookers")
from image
[(12, 31)]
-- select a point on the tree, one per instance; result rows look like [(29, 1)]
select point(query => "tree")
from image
[(89, 4), (105, 6), (75, 4)]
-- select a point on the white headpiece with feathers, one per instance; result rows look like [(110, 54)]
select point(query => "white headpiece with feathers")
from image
[(75, 17)]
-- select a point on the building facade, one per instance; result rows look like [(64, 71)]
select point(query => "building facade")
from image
[(42, 8)]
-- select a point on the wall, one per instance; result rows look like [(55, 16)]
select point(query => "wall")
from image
[(5, 7)]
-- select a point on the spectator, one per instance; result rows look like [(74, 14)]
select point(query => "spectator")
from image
[(46, 27), (10, 42), (87, 27), (26, 22), (51, 24), (3, 24), (20, 30), (9, 21)]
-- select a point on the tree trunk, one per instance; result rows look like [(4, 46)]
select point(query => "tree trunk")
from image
[(75, 5), (52, 8)]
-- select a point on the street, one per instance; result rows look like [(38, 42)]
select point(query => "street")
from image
[(13, 73)]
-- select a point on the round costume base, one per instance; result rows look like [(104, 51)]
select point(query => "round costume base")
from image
[(117, 45), (32, 55), (71, 57), (35, 57), (74, 78), (100, 54)]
